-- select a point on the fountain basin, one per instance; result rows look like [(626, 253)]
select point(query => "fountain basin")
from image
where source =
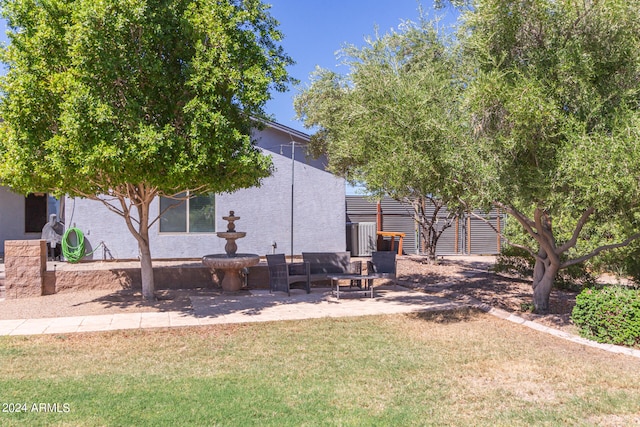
[(231, 234), (231, 266)]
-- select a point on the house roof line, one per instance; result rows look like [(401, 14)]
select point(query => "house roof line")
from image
[(286, 129)]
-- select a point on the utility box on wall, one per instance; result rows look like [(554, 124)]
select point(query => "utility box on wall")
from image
[(362, 238)]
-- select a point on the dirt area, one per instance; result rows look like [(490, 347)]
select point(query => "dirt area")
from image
[(452, 277), (463, 277), (97, 302)]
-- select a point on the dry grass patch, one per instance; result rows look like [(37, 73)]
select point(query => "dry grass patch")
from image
[(460, 368)]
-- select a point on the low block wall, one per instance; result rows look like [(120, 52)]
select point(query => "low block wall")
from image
[(25, 263), (26, 274), (165, 277), (173, 277), (127, 278)]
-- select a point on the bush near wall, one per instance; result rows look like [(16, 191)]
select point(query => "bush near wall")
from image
[(609, 315)]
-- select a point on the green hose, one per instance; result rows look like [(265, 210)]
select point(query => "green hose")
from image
[(73, 253)]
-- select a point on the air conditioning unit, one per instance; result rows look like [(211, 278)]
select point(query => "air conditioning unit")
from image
[(363, 238)]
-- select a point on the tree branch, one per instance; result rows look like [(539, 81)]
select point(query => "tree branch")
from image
[(525, 222), (132, 193), (493, 227), (104, 201), (598, 250), (576, 232)]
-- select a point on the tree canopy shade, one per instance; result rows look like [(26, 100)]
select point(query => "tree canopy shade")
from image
[(125, 100), (391, 122), (553, 100)]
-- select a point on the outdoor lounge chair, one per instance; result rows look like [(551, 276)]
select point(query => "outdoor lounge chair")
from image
[(283, 276), (382, 265)]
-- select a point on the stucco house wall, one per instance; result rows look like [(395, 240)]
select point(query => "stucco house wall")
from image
[(265, 212), (12, 218)]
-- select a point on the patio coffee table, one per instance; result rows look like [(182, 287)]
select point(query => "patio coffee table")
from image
[(367, 289)]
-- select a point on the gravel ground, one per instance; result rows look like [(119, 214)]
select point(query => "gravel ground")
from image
[(451, 276)]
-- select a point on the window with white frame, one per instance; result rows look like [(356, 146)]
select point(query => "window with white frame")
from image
[(194, 215)]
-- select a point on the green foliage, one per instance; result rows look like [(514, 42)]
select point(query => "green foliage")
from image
[(102, 94), (574, 278), (609, 315), (527, 307), (624, 262), (136, 98), (514, 260), (534, 109), (391, 122), (631, 263), (554, 103)]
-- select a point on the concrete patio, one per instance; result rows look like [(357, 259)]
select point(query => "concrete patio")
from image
[(247, 306)]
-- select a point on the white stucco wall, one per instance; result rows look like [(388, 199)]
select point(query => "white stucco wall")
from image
[(12, 218), (265, 212)]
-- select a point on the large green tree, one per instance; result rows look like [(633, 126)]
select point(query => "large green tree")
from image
[(544, 126), (553, 99), (391, 122), (122, 101)]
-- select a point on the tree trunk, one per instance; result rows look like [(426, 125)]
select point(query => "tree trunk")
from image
[(429, 226), (427, 242), (548, 259), (138, 197), (431, 253), (544, 273), (146, 270)]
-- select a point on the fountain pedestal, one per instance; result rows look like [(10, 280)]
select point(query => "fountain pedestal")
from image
[(230, 263), (231, 266)]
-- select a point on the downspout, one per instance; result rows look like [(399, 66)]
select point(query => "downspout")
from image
[(293, 164), (379, 219)]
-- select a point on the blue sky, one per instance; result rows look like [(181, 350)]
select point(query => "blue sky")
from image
[(315, 29)]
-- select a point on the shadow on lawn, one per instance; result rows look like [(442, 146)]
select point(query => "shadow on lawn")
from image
[(245, 305), (460, 315)]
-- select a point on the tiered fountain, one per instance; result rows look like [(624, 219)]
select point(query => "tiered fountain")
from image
[(231, 263)]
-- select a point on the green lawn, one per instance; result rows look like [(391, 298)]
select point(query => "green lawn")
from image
[(456, 369)]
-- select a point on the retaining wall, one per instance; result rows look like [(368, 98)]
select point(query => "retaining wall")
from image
[(26, 274)]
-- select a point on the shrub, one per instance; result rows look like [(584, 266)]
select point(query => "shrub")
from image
[(575, 278), (515, 261), (609, 315), (623, 262), (631, 266)]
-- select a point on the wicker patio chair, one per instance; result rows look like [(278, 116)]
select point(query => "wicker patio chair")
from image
[(283, 277), (382, 265)]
